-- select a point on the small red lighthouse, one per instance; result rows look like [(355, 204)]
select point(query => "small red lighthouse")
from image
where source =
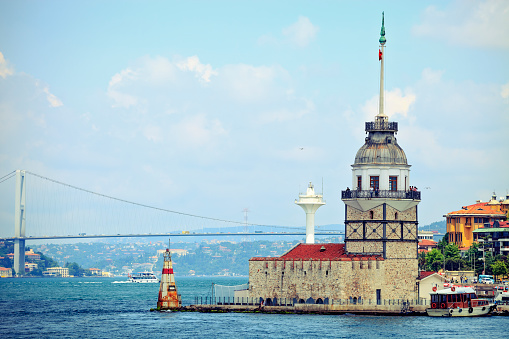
[(168, 299)]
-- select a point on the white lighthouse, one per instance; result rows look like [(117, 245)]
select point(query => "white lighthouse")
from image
[(310, 202)]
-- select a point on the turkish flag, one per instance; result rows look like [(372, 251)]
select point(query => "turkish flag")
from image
[(379, 55)]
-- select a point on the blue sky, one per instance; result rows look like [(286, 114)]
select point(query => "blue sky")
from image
[(203, 106)]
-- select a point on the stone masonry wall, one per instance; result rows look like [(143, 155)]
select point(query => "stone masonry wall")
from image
[(334, 280)]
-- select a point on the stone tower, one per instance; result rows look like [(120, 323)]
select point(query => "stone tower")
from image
[(381, 208)]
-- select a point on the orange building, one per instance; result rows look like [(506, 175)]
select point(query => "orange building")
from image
[(460, 224)]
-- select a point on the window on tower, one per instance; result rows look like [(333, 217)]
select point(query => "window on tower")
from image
[(359, 182), (393, 183), (374, 182)]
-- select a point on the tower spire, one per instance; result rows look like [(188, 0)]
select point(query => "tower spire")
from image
[(381, 57)]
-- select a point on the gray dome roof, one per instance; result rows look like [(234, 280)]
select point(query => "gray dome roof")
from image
[(381, 148)]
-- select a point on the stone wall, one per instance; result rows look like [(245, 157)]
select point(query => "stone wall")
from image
[(338, 279)]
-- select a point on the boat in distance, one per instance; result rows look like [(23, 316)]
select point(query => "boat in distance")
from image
[(458, 302), (143, 278)]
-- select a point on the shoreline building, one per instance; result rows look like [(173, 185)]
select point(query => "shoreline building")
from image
[(461, 224), (378, 260)]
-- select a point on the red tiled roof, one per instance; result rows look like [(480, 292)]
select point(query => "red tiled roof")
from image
[(480, 208), (314, 252), (427, 242), (424, 274), (502, 224), (422, 250)]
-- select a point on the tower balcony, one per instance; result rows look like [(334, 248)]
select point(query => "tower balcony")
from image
[(384, 194), (381, 126)]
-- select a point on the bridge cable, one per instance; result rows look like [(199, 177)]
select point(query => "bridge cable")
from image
[(152, 207), (10, 175)]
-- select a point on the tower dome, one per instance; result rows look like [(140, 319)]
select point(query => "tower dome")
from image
[(381, 146)]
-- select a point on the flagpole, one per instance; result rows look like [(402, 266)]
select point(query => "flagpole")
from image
[(382, 57)]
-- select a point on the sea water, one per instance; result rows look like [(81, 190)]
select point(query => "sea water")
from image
[(104, 308)]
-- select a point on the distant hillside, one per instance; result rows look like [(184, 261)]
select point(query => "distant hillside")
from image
[(439, 226)]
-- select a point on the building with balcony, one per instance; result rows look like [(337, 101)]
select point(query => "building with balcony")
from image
[(428, 235), (29, 267), (462, 223), (30, 256), (95, 271), (5, 272), (426, 245), (494, 237), (57, 272)]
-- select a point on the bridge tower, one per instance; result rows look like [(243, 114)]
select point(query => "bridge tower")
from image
[(310, 202), (19, 222)]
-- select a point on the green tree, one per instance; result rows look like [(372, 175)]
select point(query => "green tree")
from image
[(499, 268), (422, 261), (434, 260), (444, 242), (452, 251), (75, 269), (489, 260), (453, 260)]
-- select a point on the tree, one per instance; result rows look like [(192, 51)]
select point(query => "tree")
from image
[(444, 242), (422, 261), (499, 268), (434, 260), (453, 260), (75, 269), (489, 260), (452, 251)]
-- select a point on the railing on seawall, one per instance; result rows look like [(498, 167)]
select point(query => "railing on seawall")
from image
[(247, 301)]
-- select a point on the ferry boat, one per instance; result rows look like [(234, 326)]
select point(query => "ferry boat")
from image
[(458, 302), (143, 277)]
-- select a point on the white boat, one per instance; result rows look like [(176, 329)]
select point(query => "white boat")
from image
[(143, 277), (502, 298), (458, 302)]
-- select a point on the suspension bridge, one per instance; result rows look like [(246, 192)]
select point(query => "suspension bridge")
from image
[(55, 210)]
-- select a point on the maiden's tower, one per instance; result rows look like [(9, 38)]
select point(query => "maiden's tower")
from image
[(378, 260)]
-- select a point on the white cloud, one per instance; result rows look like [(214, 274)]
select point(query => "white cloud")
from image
[(468, 22), (395, 103), (115, 86), (52, 99), (203, 72), (505, 91), (5, 68), (302, 32)]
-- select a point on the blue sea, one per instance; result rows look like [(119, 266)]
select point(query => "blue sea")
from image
[(104, 308)]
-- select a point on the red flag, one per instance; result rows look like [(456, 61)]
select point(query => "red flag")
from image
[(379, 55)]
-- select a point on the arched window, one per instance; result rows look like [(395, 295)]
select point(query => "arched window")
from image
[(371, 214), (396, 216)]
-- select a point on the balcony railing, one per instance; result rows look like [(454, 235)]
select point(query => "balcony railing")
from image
[(355, 194), (381, 126)]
